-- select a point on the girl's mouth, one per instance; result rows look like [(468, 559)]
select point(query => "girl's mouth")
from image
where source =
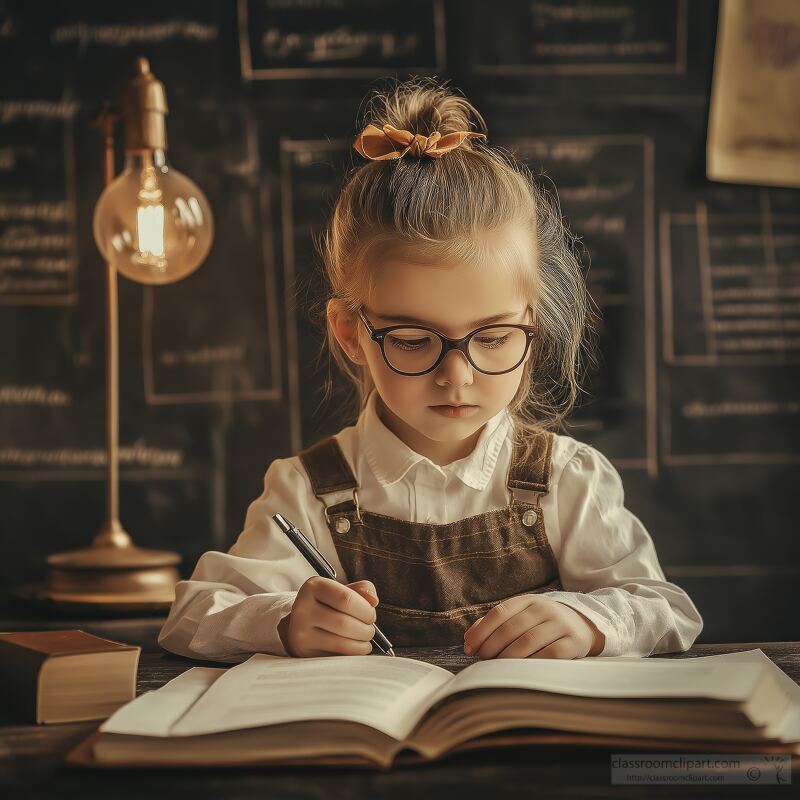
[(457, 412)]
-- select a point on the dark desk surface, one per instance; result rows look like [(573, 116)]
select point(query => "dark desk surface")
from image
[(30, 755)]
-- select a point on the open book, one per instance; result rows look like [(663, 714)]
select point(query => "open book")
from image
[(377, 711)]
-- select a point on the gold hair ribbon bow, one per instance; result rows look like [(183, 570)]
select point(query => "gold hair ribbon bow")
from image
[(391, 142)]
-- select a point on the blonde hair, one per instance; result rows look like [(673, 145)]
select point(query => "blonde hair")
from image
[(441, 208)]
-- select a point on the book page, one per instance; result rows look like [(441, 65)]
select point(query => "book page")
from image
[(787, 729), (388, 694), (155, 712), (601, 677)]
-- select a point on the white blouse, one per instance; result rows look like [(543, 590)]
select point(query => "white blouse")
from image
[(232, 603)]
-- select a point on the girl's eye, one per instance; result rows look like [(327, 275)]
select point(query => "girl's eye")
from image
[(491, 342), (408, 344)]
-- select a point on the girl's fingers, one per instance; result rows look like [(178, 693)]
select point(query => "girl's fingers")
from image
[(533, 640), (367, 590), (342, 624), (508, 631), (325, 643), (480, 630), (560, 648), (343, 598)]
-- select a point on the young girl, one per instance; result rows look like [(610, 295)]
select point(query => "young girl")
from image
[(451, 511)]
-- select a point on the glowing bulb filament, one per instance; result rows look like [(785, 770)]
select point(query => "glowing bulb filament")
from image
[(150, 229)]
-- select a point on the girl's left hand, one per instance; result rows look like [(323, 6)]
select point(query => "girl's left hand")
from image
[(530, 625)]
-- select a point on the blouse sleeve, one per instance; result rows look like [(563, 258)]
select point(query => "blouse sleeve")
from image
[(231, 605), (609, 568)]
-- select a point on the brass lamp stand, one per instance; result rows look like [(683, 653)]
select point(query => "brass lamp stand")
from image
[(143, 229)]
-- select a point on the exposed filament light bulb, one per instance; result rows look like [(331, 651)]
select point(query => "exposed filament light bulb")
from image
[(151, 222)]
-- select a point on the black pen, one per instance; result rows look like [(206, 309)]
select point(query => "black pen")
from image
[(324, 568)]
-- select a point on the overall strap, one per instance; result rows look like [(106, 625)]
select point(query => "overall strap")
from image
[(327, 467), (329, 472), (532, 473)]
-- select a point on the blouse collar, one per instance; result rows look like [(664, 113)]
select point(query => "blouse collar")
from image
[(390, 458)]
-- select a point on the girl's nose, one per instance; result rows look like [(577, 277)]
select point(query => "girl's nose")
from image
[(455, 370)]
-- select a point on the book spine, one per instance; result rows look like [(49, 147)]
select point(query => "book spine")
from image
[(19, 679)]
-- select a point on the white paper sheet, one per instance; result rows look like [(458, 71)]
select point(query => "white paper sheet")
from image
[(712, 677), (385, 693), (154, 713), (788, 730)]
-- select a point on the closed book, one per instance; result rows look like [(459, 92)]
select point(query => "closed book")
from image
[(381, 712), (65, 675)]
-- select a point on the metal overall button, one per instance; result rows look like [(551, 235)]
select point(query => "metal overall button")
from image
[(529, 518), (342, 525)]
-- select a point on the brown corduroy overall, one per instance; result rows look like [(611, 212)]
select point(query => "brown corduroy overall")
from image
[(435, 580)]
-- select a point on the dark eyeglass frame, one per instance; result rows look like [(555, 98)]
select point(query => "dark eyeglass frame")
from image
[(378, 335)]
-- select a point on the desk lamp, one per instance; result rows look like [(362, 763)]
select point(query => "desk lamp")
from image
[(155, 226)]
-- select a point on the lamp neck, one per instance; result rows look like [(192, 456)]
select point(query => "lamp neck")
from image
[(141, 159)]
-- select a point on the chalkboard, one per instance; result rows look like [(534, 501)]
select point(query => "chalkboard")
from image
[(695, 401)]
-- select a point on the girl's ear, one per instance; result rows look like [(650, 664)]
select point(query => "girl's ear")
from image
[(345, 328)]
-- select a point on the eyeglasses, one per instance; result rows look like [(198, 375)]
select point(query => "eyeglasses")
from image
[(416, 350)]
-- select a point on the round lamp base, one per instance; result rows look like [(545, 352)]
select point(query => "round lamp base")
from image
[(39, 597), (106, 579)]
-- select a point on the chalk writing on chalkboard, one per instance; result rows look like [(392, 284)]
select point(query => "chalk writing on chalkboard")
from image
[(631, 37), (34, 395), (95, 47), (120, 35), (740, 302), (731, 329), (37, 203), (730, 415), (327, 39)]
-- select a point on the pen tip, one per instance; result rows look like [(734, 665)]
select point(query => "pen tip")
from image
[(390, 652)]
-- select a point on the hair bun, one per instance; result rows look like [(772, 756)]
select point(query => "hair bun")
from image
[(418, 109)]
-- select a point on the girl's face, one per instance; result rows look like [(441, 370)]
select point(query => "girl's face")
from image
[(453, 300)]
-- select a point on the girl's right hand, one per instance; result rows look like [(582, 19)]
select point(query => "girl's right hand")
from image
[(330, 618)]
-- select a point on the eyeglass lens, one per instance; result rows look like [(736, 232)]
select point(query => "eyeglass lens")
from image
[(494, 349)]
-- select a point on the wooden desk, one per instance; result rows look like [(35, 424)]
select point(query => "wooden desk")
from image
[(30, 755)]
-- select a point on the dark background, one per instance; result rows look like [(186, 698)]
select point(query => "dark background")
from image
[(219, 373)]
